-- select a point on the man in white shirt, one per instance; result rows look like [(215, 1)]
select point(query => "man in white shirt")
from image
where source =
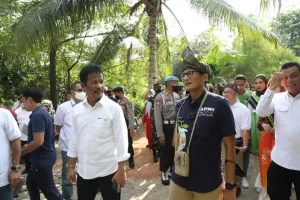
[(99, 141), (10, 149), (242, 119), (285, 166), (23, 118), (63, 125)]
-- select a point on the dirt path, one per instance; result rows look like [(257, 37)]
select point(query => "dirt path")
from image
[(144, 180)]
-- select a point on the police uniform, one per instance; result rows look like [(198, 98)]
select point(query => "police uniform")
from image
[(128, 109), (164, 113)]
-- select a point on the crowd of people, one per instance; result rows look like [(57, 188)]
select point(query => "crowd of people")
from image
[(202, 137)]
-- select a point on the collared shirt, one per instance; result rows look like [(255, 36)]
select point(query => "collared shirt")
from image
[(128, 110), (23, 117), (244, 97), (164, 109), (242, 118), (286, 109), (9, 131), (215, 121), (63, 118), (99, 138), (42, 121)]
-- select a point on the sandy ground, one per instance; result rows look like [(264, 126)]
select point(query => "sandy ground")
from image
[(144, 180)]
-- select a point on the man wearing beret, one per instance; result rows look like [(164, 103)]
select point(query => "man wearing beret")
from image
[(164, 114), (128, 109), (203, 120)]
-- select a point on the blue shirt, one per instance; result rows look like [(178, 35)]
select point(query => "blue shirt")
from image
[(41, 121), (215, 121)]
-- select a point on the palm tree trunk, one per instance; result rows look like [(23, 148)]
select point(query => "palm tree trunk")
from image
[(69, 80), (52, 74), (152, 47), (129, 54)]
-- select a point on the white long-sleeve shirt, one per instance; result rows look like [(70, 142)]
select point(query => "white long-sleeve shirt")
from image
[(99, 138), (9, 131), (286, 109), (63, 118)]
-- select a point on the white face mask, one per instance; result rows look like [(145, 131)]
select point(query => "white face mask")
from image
[(80, 95)]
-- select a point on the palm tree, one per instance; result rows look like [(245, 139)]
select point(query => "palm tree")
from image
[(52, 18)]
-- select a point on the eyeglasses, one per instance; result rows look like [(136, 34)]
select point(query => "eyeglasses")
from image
[(225, 93), (189, 74)]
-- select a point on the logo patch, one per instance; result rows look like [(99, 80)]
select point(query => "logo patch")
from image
[(207, 112), (157, 101)]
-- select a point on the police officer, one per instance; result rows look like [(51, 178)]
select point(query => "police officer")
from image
[(128, 109), (164, 113)]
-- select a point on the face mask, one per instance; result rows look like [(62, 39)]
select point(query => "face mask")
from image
[(117, 97), (80, 95), (183, 94), (174, 87)]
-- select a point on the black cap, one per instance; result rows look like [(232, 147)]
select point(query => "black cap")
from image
[(118, 89)]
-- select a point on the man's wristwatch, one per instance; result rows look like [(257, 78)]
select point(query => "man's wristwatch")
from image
[(229, 186), (16, 168)]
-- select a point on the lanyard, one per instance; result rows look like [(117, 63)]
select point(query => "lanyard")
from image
[(195, 121)]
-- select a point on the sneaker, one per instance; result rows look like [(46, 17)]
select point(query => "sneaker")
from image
[(245, 184), (131, 163), (170, 174), (165, 178), (258, 190), (260, 197)]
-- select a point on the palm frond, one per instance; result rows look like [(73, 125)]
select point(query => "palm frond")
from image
[(178, 22), (266, 4), (135, 7), (220, 12), (111, 44), (52, 17)]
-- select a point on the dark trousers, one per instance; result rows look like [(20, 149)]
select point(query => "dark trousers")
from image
[(167, 150), (6, 193), (280, 182), (42, 179), (246, 159), (130, 147), (87, 189)]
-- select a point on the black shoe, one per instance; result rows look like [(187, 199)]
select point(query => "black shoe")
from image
[(238, 191), (164, 178), (131, 163), (155, 158)]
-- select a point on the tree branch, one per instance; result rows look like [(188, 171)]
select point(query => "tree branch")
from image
[(124, 63), (79, 37)]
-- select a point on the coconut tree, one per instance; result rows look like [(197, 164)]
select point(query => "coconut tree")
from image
[(53, 18)]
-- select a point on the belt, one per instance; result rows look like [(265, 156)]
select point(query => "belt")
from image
[(169, 121)]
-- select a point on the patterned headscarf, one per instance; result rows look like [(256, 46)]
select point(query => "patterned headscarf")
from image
[(49, 105)]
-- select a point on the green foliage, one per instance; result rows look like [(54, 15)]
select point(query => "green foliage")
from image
[(260, 58), (288, 28)]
